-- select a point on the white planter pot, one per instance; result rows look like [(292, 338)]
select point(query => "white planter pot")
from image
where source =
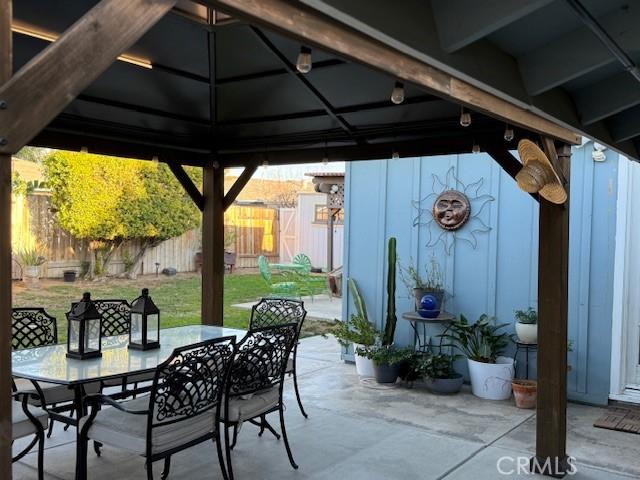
[(527, 332), (364, 366), (492, 380), (31, 274)]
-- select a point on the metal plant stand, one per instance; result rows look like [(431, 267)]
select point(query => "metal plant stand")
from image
[(419, 323), (526, 347)]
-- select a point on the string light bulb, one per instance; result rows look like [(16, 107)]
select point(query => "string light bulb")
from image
[(508, 133), (397, 94), (465, 118), (475, 148), (84, 150), (325, 160), (395, 155), (265, 163), (304, 60)]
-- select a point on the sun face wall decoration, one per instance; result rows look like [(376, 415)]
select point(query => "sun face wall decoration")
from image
[(452, 212)]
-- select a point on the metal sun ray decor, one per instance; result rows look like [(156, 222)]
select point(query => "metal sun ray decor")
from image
[(452, 211)]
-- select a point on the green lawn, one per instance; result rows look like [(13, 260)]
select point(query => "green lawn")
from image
[(178, 298)]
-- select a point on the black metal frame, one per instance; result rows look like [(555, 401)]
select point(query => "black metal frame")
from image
[(39, 435), (201, 370), (24, 336), (260, 364), (277, 311), (116, 316)]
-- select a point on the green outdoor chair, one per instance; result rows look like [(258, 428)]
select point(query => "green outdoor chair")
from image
[(309, 284), (278, 289)]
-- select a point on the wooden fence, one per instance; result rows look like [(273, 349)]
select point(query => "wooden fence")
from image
[(255, 229)]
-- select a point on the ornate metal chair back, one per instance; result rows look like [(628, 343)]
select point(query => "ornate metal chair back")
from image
[(304, 260), (191, 382), (32, 327), (116, 316), (261, 359), (277, 311)]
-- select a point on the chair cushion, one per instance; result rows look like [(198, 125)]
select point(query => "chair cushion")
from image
[(127, 431), (53, 393), (241, 409), (22, 425)]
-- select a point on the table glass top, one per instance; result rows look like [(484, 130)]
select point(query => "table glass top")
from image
[(50, 363)]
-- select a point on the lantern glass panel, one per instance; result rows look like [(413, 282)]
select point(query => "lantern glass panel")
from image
[(74, 335), (92, 335), (136, 327), (152, 327)]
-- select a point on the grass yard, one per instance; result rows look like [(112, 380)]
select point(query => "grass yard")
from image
[(178, 298)]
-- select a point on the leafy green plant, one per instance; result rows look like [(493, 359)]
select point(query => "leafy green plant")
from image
[(481, 341), (433, 279), (529, 316), (31, 257), (386, 354), (439, 366), (355, 330), (127, 261), (392, 319), (358, 301)]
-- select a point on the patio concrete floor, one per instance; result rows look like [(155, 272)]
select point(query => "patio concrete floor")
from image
[(320, 307), (355, 432)]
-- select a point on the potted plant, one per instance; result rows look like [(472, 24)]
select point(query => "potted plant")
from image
[(483, 344), (387, 361), (527, 325), (31, 259), (357, 331), (432, 284), (525, 393), (439, 374)]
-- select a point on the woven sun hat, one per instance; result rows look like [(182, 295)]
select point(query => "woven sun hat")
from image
[(537, 174)]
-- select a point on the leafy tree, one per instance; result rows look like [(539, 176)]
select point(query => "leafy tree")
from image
[(110, 201)]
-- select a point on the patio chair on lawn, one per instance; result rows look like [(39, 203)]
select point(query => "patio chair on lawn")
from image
[(25, 422), (278, 289), (309, 284), (255, 384), (182, 409), (34, 327), (277, 311), (116, 320)]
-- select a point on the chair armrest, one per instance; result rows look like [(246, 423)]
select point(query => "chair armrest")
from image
[(96, 399), (18, 394)]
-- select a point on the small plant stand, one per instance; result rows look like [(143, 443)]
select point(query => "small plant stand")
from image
[(423, 344), (526, 348)]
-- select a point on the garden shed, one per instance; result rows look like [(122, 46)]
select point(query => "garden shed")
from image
[(215, 84)]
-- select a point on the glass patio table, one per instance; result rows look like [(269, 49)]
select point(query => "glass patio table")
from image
[(50, 363)]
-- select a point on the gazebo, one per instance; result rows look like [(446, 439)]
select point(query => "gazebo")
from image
[(226, 83)]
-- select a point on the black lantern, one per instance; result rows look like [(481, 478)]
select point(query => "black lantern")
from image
[(144, 333), (84, 339)]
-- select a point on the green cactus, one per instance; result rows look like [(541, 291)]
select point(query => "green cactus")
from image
[(358, 301), (390, 326)]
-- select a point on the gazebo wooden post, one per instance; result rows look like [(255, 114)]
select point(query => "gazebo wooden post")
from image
[(213, 245), (5, 256), (553, 290)]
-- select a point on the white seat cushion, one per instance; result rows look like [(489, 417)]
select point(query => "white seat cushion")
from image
[(22, 425), (241, 409), (127, 431), (53, 393)]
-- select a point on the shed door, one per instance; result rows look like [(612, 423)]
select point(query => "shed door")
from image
[(287, 234)]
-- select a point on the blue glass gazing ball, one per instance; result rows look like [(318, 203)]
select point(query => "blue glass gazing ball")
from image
[(428, 302)]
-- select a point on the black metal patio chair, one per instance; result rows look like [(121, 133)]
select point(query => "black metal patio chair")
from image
[(25, 422), (255, 384), (277, 311), (182, 409), (33, 327)]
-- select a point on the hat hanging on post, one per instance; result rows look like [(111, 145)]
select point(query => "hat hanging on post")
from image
[(537, 174)]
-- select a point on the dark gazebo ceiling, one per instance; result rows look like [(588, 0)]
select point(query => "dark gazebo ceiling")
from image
[(258, 104)]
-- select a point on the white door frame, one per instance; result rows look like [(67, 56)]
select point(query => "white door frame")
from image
[(623, 302)]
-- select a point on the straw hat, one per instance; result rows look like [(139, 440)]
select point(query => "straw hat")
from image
[(538, 175)]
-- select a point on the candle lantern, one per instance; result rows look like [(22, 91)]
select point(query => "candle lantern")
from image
[(144, 333), (84, 327)]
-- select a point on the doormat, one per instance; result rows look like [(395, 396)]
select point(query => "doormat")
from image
[(621, 419)]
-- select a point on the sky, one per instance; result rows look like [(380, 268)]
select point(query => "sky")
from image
[(292, 172)]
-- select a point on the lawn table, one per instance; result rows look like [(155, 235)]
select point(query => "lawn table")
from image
[(50, 364), (288, 267), (417, 321)]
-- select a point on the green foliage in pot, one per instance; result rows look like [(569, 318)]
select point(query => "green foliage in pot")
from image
[(481, 341), (433, 280), (357, 329), (439, 366), (31, 257), (528, 317), (390, 325), (386, 354)]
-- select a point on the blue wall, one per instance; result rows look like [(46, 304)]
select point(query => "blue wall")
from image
[(499, 275)]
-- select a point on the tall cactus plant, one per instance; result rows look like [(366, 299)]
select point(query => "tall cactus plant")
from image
[(390, 326)]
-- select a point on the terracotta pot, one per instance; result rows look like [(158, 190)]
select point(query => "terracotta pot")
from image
[(525, 392)]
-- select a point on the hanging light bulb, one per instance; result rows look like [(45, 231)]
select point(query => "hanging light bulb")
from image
[(508, 133), (265, 163), (304, 60), (475, 148), (84, 150), (397, 94), (395, 155), (465, 118), (325, 160), (155, 159)]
